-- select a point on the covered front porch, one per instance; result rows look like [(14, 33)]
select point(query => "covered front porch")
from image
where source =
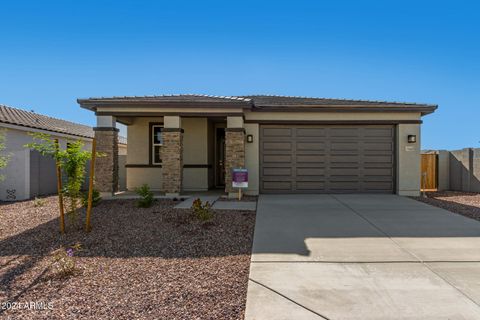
[(175, 151)]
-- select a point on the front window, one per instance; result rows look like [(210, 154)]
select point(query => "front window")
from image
[(157, 143)]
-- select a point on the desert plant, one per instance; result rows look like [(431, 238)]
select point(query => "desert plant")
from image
[(202, 210), (96, 198), (63, 260), (146, 196), (72, 161), (3, 157), (38, 202)]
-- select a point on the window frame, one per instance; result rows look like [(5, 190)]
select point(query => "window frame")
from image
[(152, 143)]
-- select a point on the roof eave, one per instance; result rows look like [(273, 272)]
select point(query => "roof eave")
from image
[(423, 109), (92, 104)]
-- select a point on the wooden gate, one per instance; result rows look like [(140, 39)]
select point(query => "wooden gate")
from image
[(429, 172)]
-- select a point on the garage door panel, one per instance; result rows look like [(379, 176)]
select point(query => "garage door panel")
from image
[(327, 159), (306, 132), (277, 132), (345, 146), (310, 171), (378, 171), (344, 185), (344, 132), (278, 171), (379, 133), (277, 158), (311, 146), (353, 170), (378, 158), (378, 146), (315, 158), (344, 158), (378, 186), (277, 185), (310, 186), (277, 146)]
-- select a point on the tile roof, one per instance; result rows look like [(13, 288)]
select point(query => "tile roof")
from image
[(278, 100), (31, 119), (168, 98), (261, 102)]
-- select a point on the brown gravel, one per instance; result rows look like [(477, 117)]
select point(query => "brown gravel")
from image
[(155, 263), (464, 203)]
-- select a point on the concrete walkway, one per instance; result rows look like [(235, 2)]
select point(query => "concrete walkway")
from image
[(235, 205), (362, 257), (187, 203)]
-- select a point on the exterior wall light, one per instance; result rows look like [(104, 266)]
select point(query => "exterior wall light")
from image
[(249, 138), (412, 138)]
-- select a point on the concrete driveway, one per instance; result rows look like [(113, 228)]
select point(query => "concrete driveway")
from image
[(362, 257)]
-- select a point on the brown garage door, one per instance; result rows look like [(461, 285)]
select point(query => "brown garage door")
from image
[(327, 159)]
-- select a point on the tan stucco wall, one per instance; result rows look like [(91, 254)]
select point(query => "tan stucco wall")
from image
[(195, 152), (408, 160), (331, 116), (138, 140), (252, 160), (138, 176)]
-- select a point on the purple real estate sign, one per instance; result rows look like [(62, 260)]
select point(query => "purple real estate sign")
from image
[(239, 178)]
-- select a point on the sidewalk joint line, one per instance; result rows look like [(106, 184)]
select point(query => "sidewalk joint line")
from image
[(405, 250), (289, 299)]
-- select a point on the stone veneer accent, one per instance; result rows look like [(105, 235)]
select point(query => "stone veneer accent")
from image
[(172, 160), (234, 154), (106, 166)]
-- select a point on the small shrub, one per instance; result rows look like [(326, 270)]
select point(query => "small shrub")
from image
[(4, 158), (202, 211), (95, 198), (63, 260), (146, 196), (38, 202)]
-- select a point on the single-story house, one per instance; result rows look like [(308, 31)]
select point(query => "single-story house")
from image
[(28, 173), (288, 144)]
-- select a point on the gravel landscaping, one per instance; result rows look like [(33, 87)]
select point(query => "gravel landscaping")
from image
[(464, 203), (155, 263)]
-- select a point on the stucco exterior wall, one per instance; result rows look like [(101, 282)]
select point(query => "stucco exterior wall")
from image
[(252, 160), (195, 153), (408, 160), (138, 141), (19, 178), (330, 116), (26, 173)]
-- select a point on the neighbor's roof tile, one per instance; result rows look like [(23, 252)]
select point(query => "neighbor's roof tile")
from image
[(31, 119)]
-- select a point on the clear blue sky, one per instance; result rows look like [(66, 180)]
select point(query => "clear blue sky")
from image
[(52, 52)]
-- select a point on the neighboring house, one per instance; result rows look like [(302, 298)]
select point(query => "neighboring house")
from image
[(28, 174), (288, 144)]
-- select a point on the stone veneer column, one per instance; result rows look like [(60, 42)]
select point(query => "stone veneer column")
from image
[(106, 166), (172, 156), (234, 149)]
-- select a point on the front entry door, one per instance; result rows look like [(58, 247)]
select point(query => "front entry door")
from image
[(220, 157)]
